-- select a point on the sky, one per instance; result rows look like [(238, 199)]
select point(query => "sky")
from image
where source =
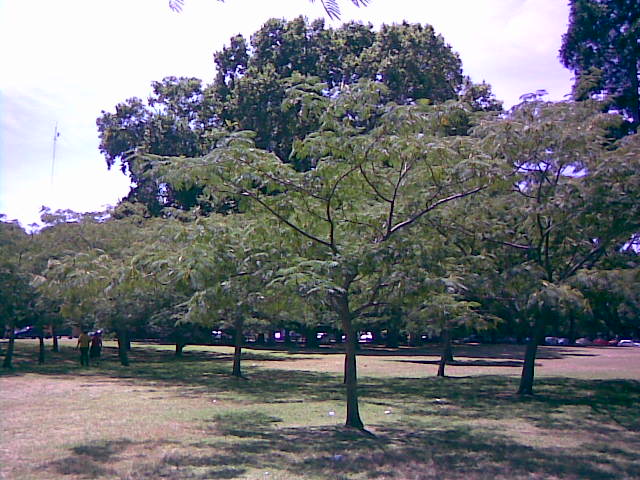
[(63, 62)]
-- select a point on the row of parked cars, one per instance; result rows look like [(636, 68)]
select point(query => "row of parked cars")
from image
[(601, 342), (35, 332)]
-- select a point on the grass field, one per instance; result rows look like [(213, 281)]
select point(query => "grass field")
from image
[(163, 418)]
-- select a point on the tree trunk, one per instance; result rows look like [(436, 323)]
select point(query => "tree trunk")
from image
[(179, 347), (8, 357), (572, 330), (123, 342), (353, 411), (447, 352), (414, 339), (54, 336), (393, 337), (350, 368), (237, 351), (528, 368), (41, 349), (312, 338), (635, 94)]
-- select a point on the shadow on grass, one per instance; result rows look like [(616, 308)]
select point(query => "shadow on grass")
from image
[(445, 431), (96, 459), (91, 460), (468, 363), (424, 451), (202, 372), (479, 351)]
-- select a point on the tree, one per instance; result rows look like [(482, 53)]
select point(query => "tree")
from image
[(340, 220), (93, 283), (573, 196), (440, 311), (17, 297), (251, 84), (413, 62), (172, 122), (613, 298), (602, 47), (217, 266)]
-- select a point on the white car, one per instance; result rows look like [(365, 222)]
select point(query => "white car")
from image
[(628, 343)]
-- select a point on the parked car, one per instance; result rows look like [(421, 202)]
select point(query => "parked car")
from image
[(366, 337), (601, 342), (27, 332), (584, 342), (551, 340), (473, 338), (628, 343)]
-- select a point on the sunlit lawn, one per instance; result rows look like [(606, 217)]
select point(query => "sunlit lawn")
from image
[(188, 419)]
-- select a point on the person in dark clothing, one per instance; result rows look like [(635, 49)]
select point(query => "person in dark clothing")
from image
[(96, 345)]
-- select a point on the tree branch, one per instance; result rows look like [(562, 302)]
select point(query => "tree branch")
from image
[(431, 207), (288, 223)]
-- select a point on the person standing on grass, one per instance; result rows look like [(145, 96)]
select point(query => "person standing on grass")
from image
[(83, 344), (96, 345)]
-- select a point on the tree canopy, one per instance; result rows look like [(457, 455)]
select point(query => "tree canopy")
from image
[(602, 47), (251, 83)]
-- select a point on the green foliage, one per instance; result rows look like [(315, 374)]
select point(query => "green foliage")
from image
[(253, 80), (573, 195), (17, 296), (378, 171), (172, 122), (613, 298), (602, 47)]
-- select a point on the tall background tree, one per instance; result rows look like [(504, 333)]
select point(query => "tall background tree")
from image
[(602, 47), (252, 80)]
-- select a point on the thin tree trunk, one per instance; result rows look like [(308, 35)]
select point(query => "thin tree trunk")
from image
[(179, 347), (572, 330), (123, 341), (54, 336), (8, 357), (528, 368), (312, 338), (237, 351), (447, 352), (350, 368), (40, 349), (393, 337), (635, 95)]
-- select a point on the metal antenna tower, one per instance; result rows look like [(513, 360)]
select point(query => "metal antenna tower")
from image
[(53, 159)]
